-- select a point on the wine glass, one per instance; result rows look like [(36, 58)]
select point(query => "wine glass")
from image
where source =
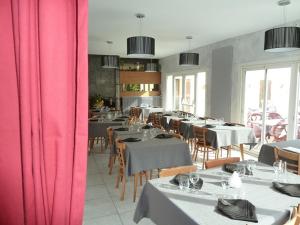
[(184, 183), (194, 178), (241, 170), (277, 166), (224, 182)]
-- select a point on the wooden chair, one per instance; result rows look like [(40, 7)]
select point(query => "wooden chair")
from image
[(120, 146), (175, 126), (157, 121), (220, 162), (295, 216), (292, 159), (177, 170), (201, 145), (112, 156)]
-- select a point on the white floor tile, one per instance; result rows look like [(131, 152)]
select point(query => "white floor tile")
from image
[(96, 208), (94, 179), (105, 220), (127, 218), (97, 191)]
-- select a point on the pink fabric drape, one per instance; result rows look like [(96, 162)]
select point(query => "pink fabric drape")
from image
[(43, 112)]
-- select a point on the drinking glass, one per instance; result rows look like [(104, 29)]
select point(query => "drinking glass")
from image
[(194, 178), (224, 182), (184, 183), (241, 170), (251, 165), (277, 166)]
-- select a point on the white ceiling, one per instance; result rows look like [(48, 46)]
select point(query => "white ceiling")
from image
[(169, 21)]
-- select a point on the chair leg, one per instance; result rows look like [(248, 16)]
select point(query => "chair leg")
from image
[(123, 187), (204, 152), (118, 180), (242, 151), (135, 186), (141, 179), (112, 159)]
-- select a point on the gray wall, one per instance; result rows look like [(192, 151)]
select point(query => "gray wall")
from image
[(221, 70), (101, 81), (247, 50)]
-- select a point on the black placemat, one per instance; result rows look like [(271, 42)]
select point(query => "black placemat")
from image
[(164, 136), (289, 189), (238, 209), (209, 126), (175, 181), (231, 167), (118, 120), (147, 127), (121, 129), (131, 139)]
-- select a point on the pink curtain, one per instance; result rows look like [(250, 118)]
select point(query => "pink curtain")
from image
[(43, 111)]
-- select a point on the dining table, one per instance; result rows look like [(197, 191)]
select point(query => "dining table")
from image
[(151, 153), (165, 203), (266, 153), (219, 134)]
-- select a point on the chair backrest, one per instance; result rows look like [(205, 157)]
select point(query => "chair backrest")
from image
[(175, 126), (177, 170), (292, 159), (151, 118), (157, 121), (279, 132), (110, 136), (120, 146), (220, 162), (295, 216), (199, 136)]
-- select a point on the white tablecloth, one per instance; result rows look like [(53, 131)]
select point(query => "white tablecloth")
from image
[(164, 203)]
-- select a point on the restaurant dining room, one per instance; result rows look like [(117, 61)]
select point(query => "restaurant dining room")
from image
[(171, 112)]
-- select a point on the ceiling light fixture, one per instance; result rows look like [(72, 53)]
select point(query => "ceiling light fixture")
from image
[(110, 61), (282, 39), (188, 58), (140, 46)]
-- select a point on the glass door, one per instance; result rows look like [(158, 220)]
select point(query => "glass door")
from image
[(266, 103), (178, 93), (188, 102)]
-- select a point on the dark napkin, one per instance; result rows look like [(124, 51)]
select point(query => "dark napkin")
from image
[(175, 181), (209, 126), (93, 119), (166, 114), (289, 189), (201, 118), (230, 168), (185, 120), (131, 140), (147, 127), (121, 129), (237, 209), (229, 124), (118, 120), (123, 117), (164, 136)]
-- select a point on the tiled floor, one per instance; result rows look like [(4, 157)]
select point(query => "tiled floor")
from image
[(102, 204)]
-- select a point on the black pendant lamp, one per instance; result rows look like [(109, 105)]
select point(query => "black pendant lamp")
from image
[(282, 39), (188, 58), (151, 67), (110, 61), (140, 46)]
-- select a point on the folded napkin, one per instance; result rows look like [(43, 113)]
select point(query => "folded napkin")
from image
[(94, 119), (289, 189), (229, 124), (237, 209), (164, 136), (118, 120), (175, 181), (147, 127), (131, 139), (121, 129), (230, 168), (201, 118), (123, 117), (166, 114), (209, 126)]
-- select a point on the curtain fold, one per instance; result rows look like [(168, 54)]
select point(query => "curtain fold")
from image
[(43, 123)]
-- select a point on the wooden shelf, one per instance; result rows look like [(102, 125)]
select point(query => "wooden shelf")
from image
[(137, 77)]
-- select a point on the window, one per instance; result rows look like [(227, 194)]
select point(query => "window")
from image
[(270, 97), (186, 92)]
